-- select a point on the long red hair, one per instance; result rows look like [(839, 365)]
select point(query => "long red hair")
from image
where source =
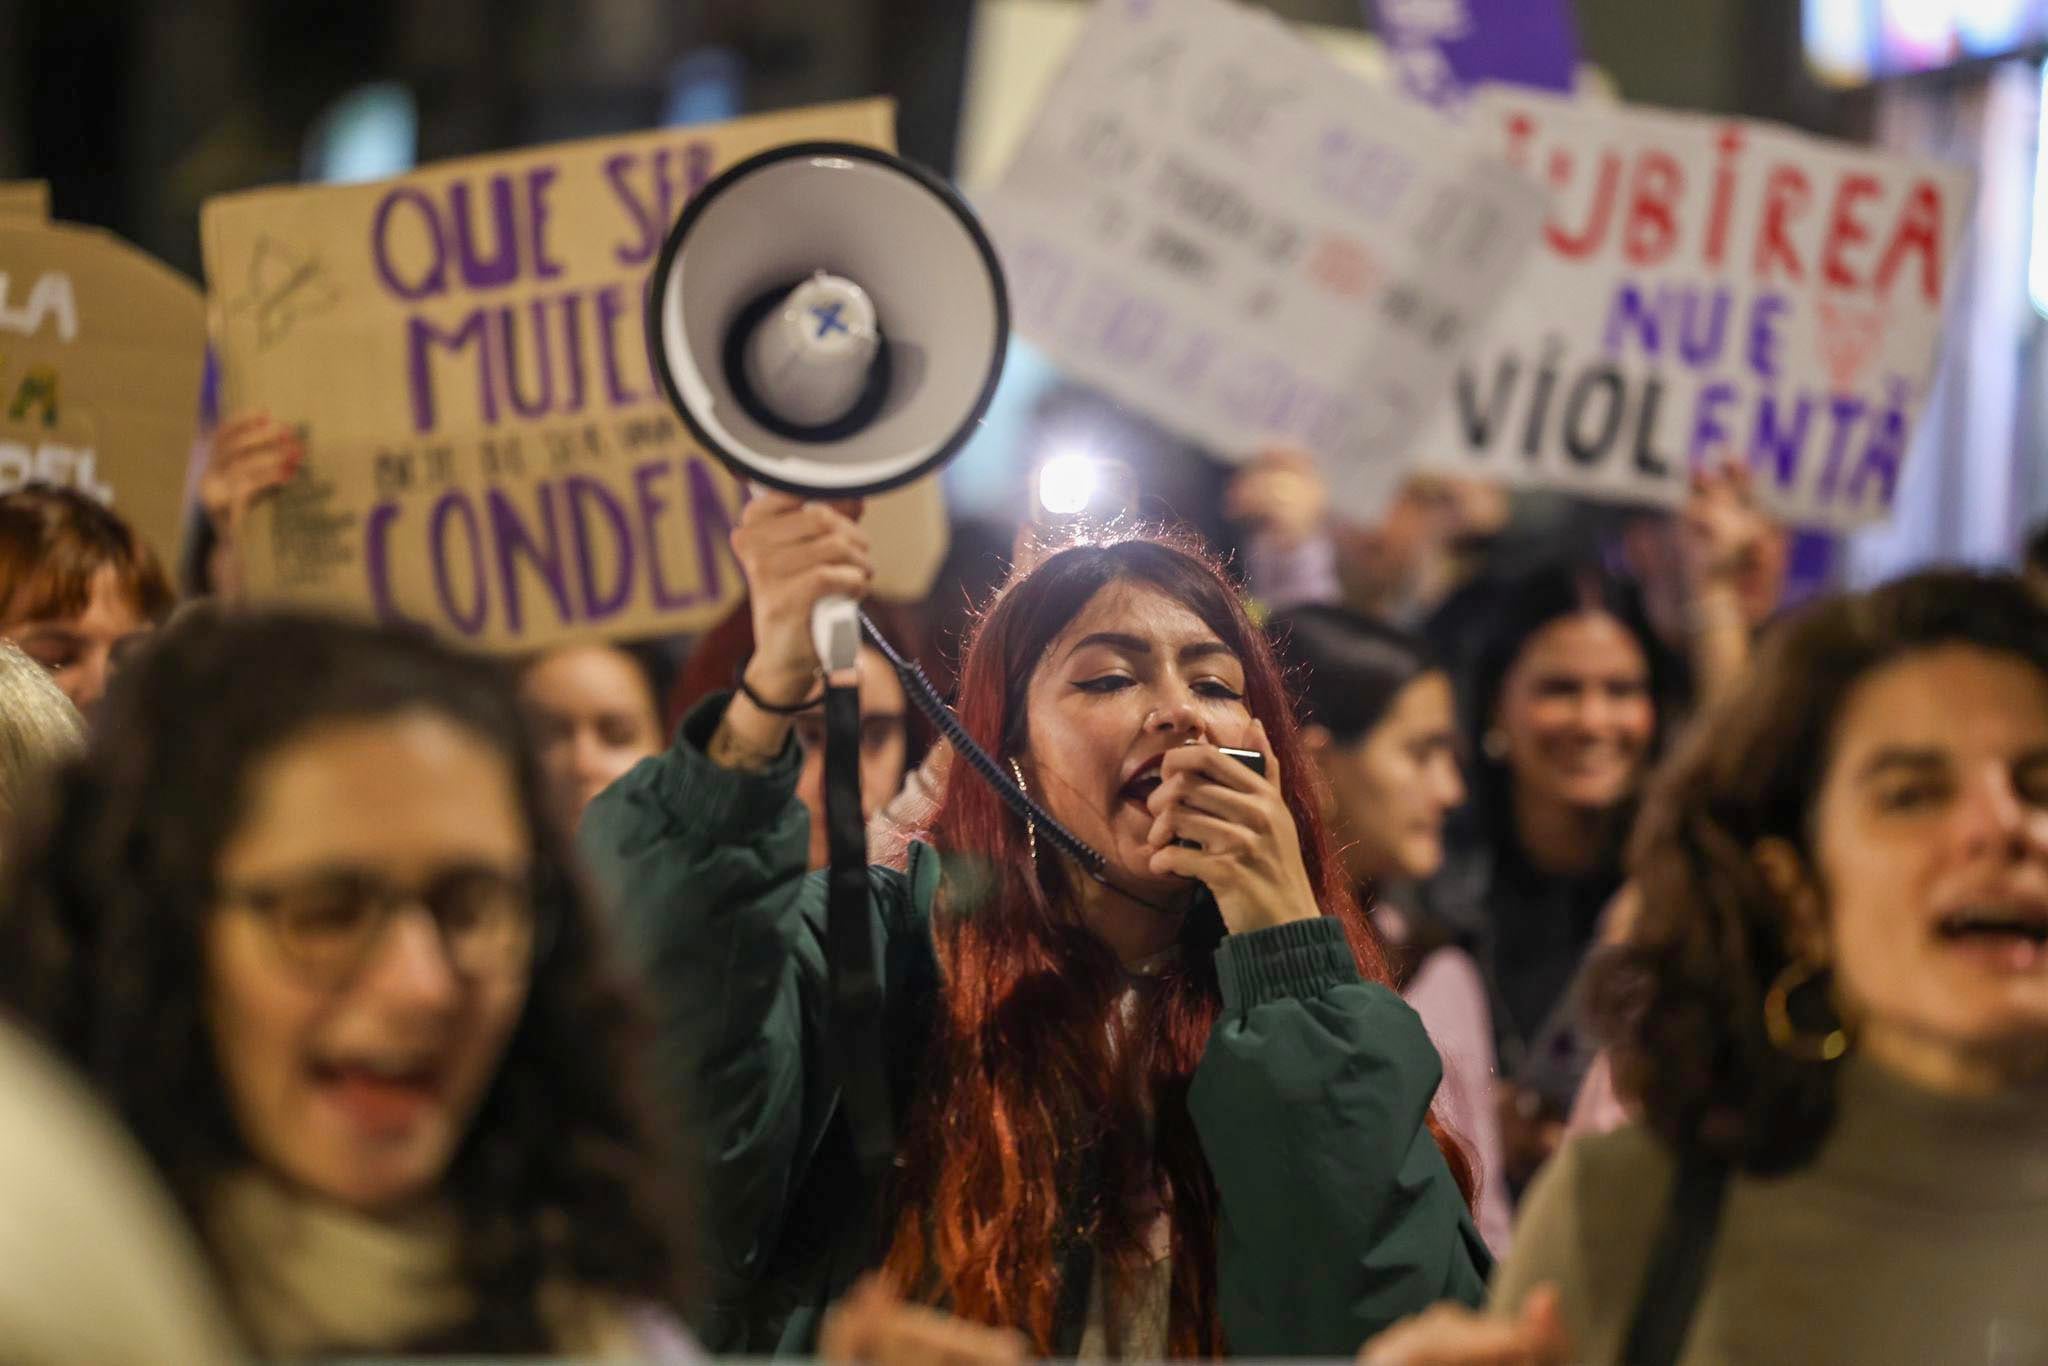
[(1046, 1117)]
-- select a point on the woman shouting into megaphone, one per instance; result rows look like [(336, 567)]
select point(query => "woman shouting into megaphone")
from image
[(1173, 1111)]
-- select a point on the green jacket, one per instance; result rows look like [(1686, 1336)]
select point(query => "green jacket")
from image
[(1338, 1213)]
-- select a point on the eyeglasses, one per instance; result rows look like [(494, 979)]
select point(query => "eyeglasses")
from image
[(328, 924)]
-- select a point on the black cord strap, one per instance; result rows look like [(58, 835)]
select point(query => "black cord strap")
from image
[(850, 946), (739, 680)]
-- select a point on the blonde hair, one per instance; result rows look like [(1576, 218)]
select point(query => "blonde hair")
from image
[(39, 728)]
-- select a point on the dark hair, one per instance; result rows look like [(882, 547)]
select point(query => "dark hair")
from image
[(101, 952), (55, 541), (1526, 606), (1345, 669), (2036, 561), (1682, 1002), (1021, 1046)]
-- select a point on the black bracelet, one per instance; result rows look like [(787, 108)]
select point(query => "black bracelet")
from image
[(739, 680)]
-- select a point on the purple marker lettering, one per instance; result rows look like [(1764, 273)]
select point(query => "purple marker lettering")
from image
[(541, 403), (1632, 314), (585, 494), (651, 506), (1782, 445), (1763, 333), (420, 336), (1699, 346), (1847, 411), (435, 278), (545, 267), (647, 226), (515, 542), (1709, 436), (447, 508), (502, 266), (377, 559), (612, 305), (714, 526)]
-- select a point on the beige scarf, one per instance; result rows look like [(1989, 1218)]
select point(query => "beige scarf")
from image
[(310, 1277)]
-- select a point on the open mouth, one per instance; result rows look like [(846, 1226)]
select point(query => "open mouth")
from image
[(1995, 924), (1138, 789), (382, 1096)]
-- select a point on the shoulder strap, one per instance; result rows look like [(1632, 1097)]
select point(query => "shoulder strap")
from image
[(850, 946), (1678, 1264)]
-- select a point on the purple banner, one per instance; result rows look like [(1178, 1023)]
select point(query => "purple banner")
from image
[(1445, 47)]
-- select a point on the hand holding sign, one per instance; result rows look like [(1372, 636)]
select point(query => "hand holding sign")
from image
[(250, 456)]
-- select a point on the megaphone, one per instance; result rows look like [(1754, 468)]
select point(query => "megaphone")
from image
[(829, 320)]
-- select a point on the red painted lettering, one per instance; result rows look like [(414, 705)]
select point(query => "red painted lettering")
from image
[(1918, 234), (1785, 198), (1652, 225), (1845, 230), (1600, 210)]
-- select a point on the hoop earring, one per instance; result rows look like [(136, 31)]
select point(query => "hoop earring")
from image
[(1030, 825), (1784, 1034)]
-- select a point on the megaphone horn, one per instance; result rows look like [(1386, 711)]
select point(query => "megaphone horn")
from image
[(828, 319)]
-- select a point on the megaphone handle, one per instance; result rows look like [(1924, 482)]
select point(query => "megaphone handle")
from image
[(835, 631)]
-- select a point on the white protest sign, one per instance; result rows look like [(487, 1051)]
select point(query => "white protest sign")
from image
[(1213, 223), (1708, 289)]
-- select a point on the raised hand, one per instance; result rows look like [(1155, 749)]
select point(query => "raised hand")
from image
[(252, 455), (1280, 494), (795, 553)]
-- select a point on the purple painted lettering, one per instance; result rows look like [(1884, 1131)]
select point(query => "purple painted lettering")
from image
[(1633, 313), (435, 280), (612, 305), (1697, 347), (651, 506), (714, 525), (1763, 333), (1709, 436), (377, 559), (515, 542), (502, 266), (1847, 411), (545, 267), (585, 493), (541, 403), (449, 507), (420, 336), (1781, 445), (640, 251)]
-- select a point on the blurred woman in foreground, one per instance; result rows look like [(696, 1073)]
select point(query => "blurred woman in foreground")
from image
[(1834, 1011), (302, 919)]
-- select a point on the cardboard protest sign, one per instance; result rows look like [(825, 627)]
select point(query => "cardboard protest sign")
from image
[(464, 349), (1709, 289), (1213, 223), (25, 199), (101, 349)]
